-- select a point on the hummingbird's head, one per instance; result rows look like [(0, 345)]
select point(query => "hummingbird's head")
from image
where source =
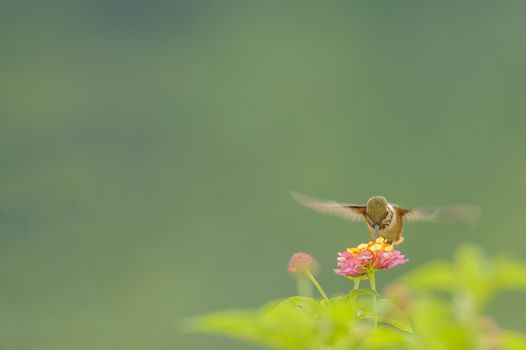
[(377, 209)]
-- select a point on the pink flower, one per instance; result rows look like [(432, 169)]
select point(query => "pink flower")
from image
[(300, 262), (387, 260), (366, 258), (349, 265)]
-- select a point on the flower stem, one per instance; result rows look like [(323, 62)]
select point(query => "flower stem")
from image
[(356, 283), (372, 282), (318, 287)]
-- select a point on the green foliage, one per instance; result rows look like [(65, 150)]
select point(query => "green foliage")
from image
[(472, 276), (290, 324), (304, 323), (390, 313), (437, 326), (438, 306), (513, 340)]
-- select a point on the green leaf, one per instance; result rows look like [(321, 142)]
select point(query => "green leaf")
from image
[(474, 275), (390, 313), (337, 322), (288, 324), (510, 274), (242, 324), (384, 338), (359, 292), (437, 327), (292, 324), (512, 341), (384, 310), (436, 276), (305, 305)]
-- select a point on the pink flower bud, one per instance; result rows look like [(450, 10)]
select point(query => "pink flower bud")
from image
[(300, 262)]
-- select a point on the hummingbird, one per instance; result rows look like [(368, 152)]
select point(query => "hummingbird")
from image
[(385, 219)]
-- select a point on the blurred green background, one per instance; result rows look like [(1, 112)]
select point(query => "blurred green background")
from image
[(148, 150)]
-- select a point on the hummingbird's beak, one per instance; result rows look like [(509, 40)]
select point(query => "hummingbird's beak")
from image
[(376, 228)]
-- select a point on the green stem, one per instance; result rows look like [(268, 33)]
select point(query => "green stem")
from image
[(318, 287), (372, 282), (356, 283)]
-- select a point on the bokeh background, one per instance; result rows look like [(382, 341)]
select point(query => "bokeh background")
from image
[(148, 150)]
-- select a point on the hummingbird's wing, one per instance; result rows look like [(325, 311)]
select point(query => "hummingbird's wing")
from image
[(457, 213), (347, 211), (421, 214)]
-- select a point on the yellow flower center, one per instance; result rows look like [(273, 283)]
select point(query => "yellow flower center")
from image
[(374, 246)]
